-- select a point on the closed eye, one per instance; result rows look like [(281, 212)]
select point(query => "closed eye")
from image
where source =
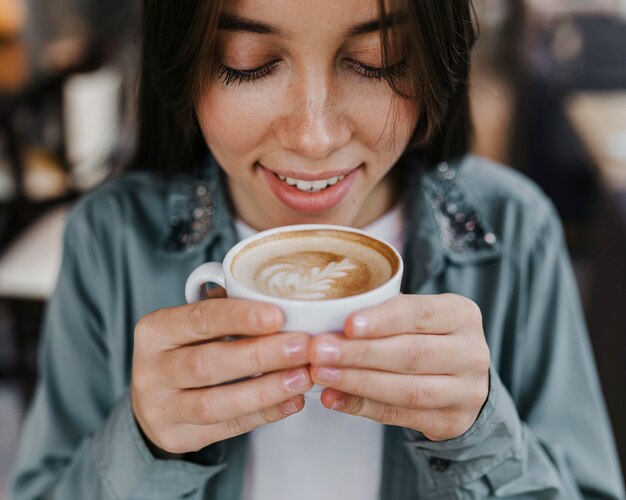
[(377, 73), (230, 76)]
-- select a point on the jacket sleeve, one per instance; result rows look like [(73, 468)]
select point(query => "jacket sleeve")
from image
[(547, 435), (80, 439)]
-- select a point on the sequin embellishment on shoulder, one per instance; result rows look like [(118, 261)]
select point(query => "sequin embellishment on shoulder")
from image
[(460, 225), (191, 215)]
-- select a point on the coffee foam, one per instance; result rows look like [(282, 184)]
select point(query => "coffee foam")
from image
[(314, 265)]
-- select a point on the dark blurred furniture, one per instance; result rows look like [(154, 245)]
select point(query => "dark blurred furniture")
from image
[(39, 92), (599, 120), (60, 39), (31, 115)]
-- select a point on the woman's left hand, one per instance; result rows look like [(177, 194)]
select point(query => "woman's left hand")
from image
[(416, 361)]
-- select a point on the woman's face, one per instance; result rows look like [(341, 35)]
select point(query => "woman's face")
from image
[(298, 115)]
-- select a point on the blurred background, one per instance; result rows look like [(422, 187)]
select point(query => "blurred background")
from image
[(549, 99)]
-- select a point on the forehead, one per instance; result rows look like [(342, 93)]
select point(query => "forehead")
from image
[(292, 18)]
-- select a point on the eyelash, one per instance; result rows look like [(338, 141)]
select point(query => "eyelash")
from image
[(372, 73), (230, 76)]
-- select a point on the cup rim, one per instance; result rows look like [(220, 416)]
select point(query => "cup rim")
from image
[(253, 294)]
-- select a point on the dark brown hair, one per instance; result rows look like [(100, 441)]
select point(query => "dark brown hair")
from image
[(178, 44)]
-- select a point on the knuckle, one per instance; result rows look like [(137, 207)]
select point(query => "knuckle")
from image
[(357, 405), (270, 415), (237, 426), (423, 313), (416, 356), (197, 317), (261, 393), (387, 414), (144, 378), (363, 383), (257, 356), (144, 327), (206, 410), (142, 410), (197, 363), (140, 382), (477, 355), (477, 398), (361, 353), (417, 396), (484, 359), (473, 312), (141, 326)]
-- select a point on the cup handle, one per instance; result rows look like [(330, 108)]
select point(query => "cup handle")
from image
[(211, 272)]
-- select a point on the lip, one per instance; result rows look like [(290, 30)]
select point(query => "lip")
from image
[(300, 201)]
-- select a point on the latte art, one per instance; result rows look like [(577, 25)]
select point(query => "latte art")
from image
[(314, 265), (299, 277)]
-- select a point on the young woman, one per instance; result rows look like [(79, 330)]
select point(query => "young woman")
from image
[(478, 381)]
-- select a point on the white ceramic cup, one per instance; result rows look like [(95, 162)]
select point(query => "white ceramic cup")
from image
[(309, 316)]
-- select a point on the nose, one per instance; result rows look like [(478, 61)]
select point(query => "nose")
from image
[(315, 122)]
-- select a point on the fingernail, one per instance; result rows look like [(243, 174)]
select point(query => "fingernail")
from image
[(296, 380), (295, 348), (326, 374), (327, 353), (360, 326), (338, 404), (266, 317), (288, 407)]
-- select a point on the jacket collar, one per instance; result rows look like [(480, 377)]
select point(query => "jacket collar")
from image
[(199, 213), (450, 226)]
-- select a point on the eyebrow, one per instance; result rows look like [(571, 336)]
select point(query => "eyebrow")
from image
[(371, 26), (233, 22)]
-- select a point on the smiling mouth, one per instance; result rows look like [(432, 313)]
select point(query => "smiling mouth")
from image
[(310, 186), (315, 193)]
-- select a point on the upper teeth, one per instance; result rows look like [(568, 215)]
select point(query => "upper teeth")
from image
[(311, 186)]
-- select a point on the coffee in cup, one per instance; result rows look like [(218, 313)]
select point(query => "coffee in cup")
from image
[(318, 264), (318, 274)]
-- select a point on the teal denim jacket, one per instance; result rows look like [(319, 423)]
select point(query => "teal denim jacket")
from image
[(472, 228)]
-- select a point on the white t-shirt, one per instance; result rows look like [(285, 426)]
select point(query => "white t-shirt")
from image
[(319, 453)]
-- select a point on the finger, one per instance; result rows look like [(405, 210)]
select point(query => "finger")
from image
[(435, 314), (185, 438), (436, 425), (407, 391), (368, 408), (410, 354), (215, 363), (227, 402), (210, 319), (247, 423)]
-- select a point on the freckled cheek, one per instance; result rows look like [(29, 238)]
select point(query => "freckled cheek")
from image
[(237, 122)]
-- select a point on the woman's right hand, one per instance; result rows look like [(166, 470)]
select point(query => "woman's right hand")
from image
[(185, 387)]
